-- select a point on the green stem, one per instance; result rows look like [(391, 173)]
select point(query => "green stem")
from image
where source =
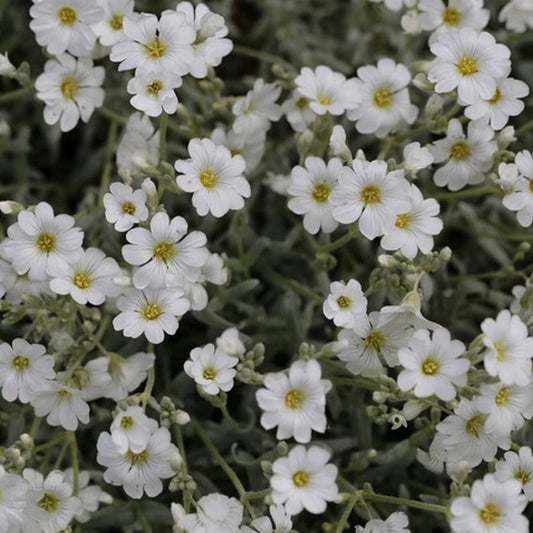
[(149, 386), (345, 515), (393, 500), (50, 443), (108, 160), (223, 464), (341, 241), (75, 463), (296, 286), (17, 93), (163, 125), (469, 193), (35, 427), (262, 56), (111, 115)]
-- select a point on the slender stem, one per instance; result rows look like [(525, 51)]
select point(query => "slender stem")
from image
[(163, 124), (149, 386), (108, 160), (468, 193), (111, 115), (296, 286), (256, 495), (262, 56), (345, 515), (178, 434), (17, 93), (340, 242), (50, 443), (223, 464), (75, 463), (35, 427), (393, 500)]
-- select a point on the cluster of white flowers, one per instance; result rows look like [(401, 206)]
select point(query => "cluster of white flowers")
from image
[(372, 146)]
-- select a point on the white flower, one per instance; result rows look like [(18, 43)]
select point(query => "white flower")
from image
[(395, 523), (492, 507), (165, 248), (281, 522), (230, 343), (304, 480), (153, 90), (414, 229), (89, 279), (71, 89), (416, 157), (385, 105), (345, 303), (16, 285), (503, 104), (65, 25), (327, 91), (39, 240), (148, 42), (517, 15), (62, 405), (90, 496), (506, 406), (393, 5), (138, 472), (110, 29), (211, 368), (51, 505), (373, 340), (91, 379), (24, 370), (510, 348), (467, 158), (296, 402), (463, 436), (138, 149), (433, 365), (372, 195), (128, 373), (470, 62), (257, 109), (214, 176), (6, 67), (124, 206), (210, 44), (13, 491), (517, 466), (150, 312), (298, 112), (520, 180), (457, 14), (311, 188), (131, 429)]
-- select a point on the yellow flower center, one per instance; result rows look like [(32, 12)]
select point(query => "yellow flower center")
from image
[(323, 99), (137, 458), (294, 398), (127, 422), (321, 193), (301, 478), (128, 208), (20, 362), (48, 503), (151, 312), (460, 151), (383, 98), (496, 97), (69, 88), (67, 16), (430, 366), (343, 302), (164, 251), (474, 425), (155, 87), (490, 514), (502, 396), (79, 378), (64, 394), (403, 221), (500, 351), (451, 16), (208, 178), (46, 242), (374, 340), (155, 49), (82, 280), (209, 373), (522, 476), (371, 195), (302, 103), (467, 66), (116, 22)]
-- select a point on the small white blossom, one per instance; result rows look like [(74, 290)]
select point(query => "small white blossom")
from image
[(517, 15), (345, 304), (13, 501), (131, 429), (517, 466), (230, 343), (416, 157), (280, 523), (128, 373), (395, 523), (124, 206), (110, 30), (518, 177), (298, 112)]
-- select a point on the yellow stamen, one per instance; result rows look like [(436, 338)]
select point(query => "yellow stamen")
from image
[(430, 366), (371, 195), (403, 221), (496, 98), (383, 98), (500, 351), (209, 373), (137, 458), (127, 422), (451, 16), (294, 398), (48, 503), (151, 312), (323, 99), (343, 302), (155, 87), (69, 87), (116, 22), (46, 242), (301, 478), (21, 363), (128, 208), (374, 340), (155, 49), (523, 477), (467, 66), (460, 151), (490, 514), (208, 178), (67, 16), (474, 425), (164, 251), (502, 396), (321, 193), (82, 280)]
